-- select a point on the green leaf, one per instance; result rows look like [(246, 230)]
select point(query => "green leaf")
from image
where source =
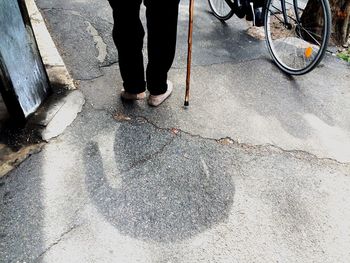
[(344, 56)]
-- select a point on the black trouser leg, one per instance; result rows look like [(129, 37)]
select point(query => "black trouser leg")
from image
[(162, 16), (128, 34)]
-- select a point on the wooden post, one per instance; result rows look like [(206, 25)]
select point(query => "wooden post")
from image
[(189, 53)]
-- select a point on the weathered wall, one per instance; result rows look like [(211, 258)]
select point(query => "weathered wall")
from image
[(21, 62)]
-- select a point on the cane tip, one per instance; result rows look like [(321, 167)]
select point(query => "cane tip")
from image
[(186, 104)]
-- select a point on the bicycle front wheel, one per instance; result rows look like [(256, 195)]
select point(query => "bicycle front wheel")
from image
[(297, 33), (221, 9)]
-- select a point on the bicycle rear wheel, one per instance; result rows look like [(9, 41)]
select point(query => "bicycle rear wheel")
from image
[(297, 39), (221, 9)]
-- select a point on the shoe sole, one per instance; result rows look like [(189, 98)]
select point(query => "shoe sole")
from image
[(126, 97), (166, 95)]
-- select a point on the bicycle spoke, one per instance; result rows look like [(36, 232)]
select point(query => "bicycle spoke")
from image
[(291, 4), (311, 36), (314, 34), (278, 18), (287, 15)]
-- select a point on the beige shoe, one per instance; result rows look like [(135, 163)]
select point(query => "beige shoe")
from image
[(130, 96), (156, 100)]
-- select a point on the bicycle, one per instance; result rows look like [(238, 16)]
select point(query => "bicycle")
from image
[(296, 42)]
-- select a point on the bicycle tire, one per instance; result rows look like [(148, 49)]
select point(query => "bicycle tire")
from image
[(302, 44), (217, 5)]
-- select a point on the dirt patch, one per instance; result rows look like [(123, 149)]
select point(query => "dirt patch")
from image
[(343, 52), (11, 158), (256, 32)]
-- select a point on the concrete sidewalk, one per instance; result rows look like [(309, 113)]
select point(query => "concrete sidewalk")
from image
[(256, 170)]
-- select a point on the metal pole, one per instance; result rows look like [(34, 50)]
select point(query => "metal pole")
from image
[(189, 53)]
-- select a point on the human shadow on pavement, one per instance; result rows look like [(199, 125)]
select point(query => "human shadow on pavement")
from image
[(165, 186)]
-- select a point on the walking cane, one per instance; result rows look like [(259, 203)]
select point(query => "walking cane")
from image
[(189, 53)]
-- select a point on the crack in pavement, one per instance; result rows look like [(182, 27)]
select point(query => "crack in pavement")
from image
[(298, 154), (149, 157), (72, 11), (231, 62), (112, 63), (60, 238), (101, 66), (90, 79), (100, 45)]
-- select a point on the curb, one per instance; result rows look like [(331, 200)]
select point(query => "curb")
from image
[(55, 67), (56, 113)]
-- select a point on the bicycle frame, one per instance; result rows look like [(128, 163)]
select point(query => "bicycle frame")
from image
[(283, 5), (231, 5), (284, 11)]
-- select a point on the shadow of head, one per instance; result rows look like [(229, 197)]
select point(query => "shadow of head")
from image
[(160, 186)]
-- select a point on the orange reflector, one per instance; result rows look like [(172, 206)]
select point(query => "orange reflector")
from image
[(308, 52)]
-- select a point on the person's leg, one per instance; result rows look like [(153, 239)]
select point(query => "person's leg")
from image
[(128, 34), (162, 19)]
